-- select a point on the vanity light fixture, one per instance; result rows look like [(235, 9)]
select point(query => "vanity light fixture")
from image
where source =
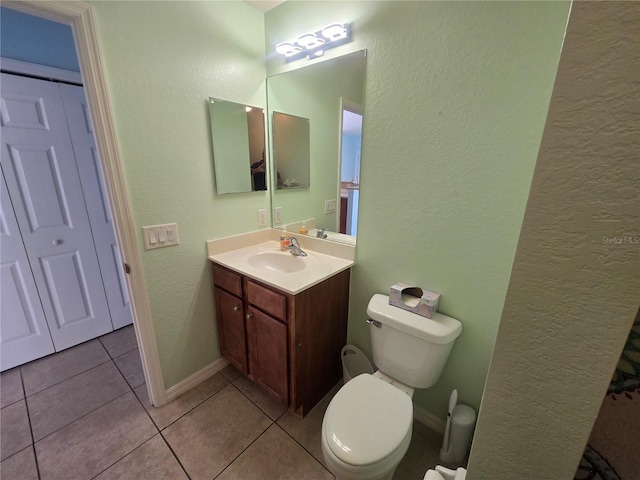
[(287, 49), (310, 41), (313, 44)]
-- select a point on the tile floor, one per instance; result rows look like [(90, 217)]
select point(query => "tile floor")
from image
[(84, 413)]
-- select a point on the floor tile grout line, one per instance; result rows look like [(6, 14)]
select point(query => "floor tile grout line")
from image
[(124, 376), (33, 440), (275, 422), (131, 389), (258, 406), (68, 378), (107, 349), (303, 447), (162, 436), (83, 416), (175, 455), (245, 449), (24, 395), (190, 410), (125, 455)]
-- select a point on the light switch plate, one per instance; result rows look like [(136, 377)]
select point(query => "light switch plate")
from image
[(262, 217), (277, 215), (329, 206), (158, 236)]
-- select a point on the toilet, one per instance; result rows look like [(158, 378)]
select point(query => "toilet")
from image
[(366, 428)]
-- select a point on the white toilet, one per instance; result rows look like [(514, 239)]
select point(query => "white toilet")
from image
[(367, 426)]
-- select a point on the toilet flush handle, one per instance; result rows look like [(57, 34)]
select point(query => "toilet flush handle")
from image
[(375, 323)]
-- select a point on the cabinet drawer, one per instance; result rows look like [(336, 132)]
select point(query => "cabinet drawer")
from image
[(226, 279), (267, 300)]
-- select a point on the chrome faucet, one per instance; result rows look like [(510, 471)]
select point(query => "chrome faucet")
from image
[(320, 233), (294, 248)]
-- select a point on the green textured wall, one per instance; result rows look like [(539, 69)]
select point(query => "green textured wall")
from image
[(163, 61), (456, 99)]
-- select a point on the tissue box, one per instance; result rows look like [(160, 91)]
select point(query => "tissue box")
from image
[(414, 299)]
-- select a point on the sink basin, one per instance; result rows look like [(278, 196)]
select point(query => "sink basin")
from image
[(277, 262)]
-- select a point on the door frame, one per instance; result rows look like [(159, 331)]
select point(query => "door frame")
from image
[(80, 17)]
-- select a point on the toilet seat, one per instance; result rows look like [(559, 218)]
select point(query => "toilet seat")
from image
[(367, 421), (382, 470)]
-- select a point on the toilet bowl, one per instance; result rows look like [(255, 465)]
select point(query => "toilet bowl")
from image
[(367, 426), (366, 429)]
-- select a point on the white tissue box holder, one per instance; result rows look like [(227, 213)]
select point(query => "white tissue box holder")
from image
[(414, 299)]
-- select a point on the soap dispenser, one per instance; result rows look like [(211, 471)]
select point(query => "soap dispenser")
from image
[(284, 238)]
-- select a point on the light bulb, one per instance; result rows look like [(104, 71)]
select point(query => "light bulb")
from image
[(287, 49), (335, 31), (310, 41)]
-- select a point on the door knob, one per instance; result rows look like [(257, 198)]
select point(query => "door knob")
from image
[(58, 241)]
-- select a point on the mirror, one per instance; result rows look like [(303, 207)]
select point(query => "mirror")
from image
[(291, 150), (238, 140), (329, 95)]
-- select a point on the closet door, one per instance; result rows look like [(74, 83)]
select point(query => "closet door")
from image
[(88, 161), (24, 335), (44, 186)]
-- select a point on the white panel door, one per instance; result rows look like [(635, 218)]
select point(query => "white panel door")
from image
[(95, 195), (24, 335), (43, 182)]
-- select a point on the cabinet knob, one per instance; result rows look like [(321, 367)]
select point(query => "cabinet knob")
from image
[(56, 242), (249, 315), (236, 308)]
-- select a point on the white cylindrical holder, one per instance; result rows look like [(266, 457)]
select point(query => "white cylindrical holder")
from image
[(463, 421)]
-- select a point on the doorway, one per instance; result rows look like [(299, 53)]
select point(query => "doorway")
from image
[(349, 164), (63, 282), (80, 17)]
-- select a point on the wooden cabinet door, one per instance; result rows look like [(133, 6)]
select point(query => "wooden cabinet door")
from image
[(268, 353), (231, 329)]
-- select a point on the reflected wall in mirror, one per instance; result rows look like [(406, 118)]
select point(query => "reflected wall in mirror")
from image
[(321, 92), (291, 150), (238, 140)]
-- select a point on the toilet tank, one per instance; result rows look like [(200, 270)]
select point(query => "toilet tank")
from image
[(408, 347)]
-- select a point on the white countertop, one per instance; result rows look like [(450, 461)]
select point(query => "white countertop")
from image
[(315, 267)]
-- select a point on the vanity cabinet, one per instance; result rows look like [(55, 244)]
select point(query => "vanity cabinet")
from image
[(287, 344)]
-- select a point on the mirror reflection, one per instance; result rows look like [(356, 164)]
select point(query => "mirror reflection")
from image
[(330, 95), (238, 140), (291, 150)]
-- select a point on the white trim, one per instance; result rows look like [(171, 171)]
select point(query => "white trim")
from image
[(79, 15), (428, 419), (195, 379), (11, 65)]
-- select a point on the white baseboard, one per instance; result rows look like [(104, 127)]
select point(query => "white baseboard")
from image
[(198, 377), (428, 419)]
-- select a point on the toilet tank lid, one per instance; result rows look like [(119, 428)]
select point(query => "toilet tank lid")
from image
[(439, 329)]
